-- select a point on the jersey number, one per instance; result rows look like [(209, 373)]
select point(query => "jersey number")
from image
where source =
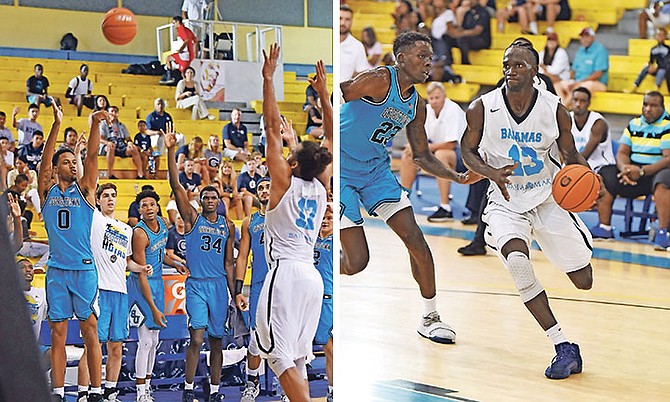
[(317, 256), (262, 239), (307, 213), (209, 245), (534, 167), (63, 219), (384, 133)]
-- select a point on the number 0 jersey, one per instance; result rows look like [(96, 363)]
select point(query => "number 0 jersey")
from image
[(206, 248), (527, 140)]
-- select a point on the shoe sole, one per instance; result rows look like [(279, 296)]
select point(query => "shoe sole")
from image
[(440, 219), (470, 254), (554, 377), (604, 239), (437, 339)]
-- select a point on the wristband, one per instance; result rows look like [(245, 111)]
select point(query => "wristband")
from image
[(239, 283)]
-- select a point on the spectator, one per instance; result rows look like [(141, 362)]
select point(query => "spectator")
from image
[(590, 131), (405, 19), (589, 67), (36, 297), (79, 90), (235, 137), (444, 22), (642, 168), (230, 196), (33, 248), (373, 48), (474, 33), (657, 15), (194, 10), (4, 131), (7, 157), (246, 184), (33, 151), (115, 141), (659, 63), (261, 167), (315, 121), (173, 211), (134, 208), (212, 157), (194, 151), (36, 88), (352, 52), (142, 141), (157, 121), (445, 123), (547, 10), (190, 180), (181, 58), (26, 127), (514, 12), (186, 95), (17, 190), (176, 244), (554, 61), (69, 139), (310, 97), (101, 103), (29, 193)]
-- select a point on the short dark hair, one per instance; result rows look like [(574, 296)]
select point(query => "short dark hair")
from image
[(526, 45), (20, 178), (23, 158), (147, 187), (312, 159), (103, 187), (147, 194), (189, 68), (113, 107), (178, 18), (209, 188), (407, 40), (38, 65), (33, 106), (67, 130), (82, 66), (657, 94), (54, 159), (38, 133), (22, 260), (584, 91), (140, 122), (3, 114), (345, 7)]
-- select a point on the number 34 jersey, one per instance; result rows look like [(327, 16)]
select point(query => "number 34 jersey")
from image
[(206, 248), (526, 140)]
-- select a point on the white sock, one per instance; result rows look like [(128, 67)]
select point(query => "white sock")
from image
[(446, 207), (188, 386), (429, 305), (82, 388), (141, 389), (96, 390), (148, 382), (606, 227), (59, 391), (330, 389), (213, 389), (253, 372), (110, 384), (556, 334), (533, 27)]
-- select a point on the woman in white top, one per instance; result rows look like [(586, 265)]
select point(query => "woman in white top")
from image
[(187, 96), (373, 48), (554, 61)]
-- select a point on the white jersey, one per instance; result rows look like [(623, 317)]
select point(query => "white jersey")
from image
[(292, 226), (603, 154), (37, 307), (527, 140), (111, 242)]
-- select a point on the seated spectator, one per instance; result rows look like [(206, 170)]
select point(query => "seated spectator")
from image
[(246, 184), (195, 151), (6, 154), (261, 167), (17, 189), (514, 12), (4, 131), (590, 131), (186, 95), (190, 180), (655, 17), (230, 196), (235, 137), (134, 208), (157, 121), (547, 10), (33, 248), (173, 211), (405, 19), (315, 121), (473, 34), (425, 9), (444, 22), (659, 63), (26, 127), (29, 193), (310, 97), (589, 68), (176, 244), (142, 141), (115, 141), (33, 151), (186, 53), (101, 103), (36, 88), (79, 90), (554, 61), (69, 139), (213, 156), (642, 168), (373, 48)]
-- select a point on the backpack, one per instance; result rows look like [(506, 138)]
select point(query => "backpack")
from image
[(69, 42)]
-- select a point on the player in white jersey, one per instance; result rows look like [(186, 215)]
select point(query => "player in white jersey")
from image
[(514, 128), (590, 131), (290, 300), (111, 242)]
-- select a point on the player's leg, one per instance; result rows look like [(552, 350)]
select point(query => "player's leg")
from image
[(407, 168), (355, 254), (328, 350), (113, 367), (292, 381), (58, 356), (661, 189), (197, 337), (215, 367), (155, 338), (144, 344), (83, 379), (253, 370), (89, 332), (216, 297)]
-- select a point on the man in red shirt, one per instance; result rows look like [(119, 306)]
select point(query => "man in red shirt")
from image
[(180, 58)]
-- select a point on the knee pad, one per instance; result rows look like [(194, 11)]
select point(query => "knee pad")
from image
[(280, 365), (521, 270)]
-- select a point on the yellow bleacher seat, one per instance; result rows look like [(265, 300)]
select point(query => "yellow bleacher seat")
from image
[(640, 47), (619, 103), (456, 92)]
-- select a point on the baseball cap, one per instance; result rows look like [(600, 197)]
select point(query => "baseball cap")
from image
[(587, 31)]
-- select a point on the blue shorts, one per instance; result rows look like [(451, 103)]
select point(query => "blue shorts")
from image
[(33, 99), (207, 304), (71, 292), (140, 312), (325, 329), (254, 295), (368, 187), (113, 321)]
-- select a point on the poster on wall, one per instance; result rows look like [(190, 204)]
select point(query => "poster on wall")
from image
[(210, 78)]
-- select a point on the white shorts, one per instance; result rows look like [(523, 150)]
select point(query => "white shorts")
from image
[(229, 153), (562, 236), (288, 311)]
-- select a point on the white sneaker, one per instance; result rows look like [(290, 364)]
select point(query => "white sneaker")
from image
[(433, 328), (250, 392), (142, 398), (284, 398)]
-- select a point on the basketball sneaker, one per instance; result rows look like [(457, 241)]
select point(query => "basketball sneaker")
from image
[(111, 394), (433, 328), (441, 215), (600, 233), (82, 396), (57, 398), (216, 397), (662, 240), (250, 392), (188, 396), (567, 361), (329, 398), (95, 398), (472, 249), (142, 398), (284, 398)]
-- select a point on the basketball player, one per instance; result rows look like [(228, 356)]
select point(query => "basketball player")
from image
[(72, 278), (252, 240), (379, 103), (590, 131), (111, 242), (290, 300), (515, 127), (145, 292), (209, 256), (323, 261)]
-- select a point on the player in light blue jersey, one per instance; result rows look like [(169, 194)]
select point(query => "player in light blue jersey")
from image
[(379, 103), (253, 240), (72, 278), (323, 261), (209, 257)]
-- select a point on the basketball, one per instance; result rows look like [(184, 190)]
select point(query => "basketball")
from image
[(119, 26), (575, 188)]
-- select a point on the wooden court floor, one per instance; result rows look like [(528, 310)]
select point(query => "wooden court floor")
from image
[(622, 326)]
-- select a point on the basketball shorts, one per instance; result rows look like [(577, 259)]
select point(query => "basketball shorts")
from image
[(207, 304), (288, 311), (254, 295), (140, 312), (113, 321), (71, 292), (325, 329), (182, 60), (562, 236)]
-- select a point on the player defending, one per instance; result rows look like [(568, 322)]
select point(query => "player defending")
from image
[(252, 240), (209, 257), (323, 261), (72, 278), (111, 240), (290, 300), (379, 103), (515, 127)]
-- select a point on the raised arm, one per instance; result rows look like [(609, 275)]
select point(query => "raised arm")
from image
[(90, 178), (186, 210), (320, 84), (46, 170), (241, 264), (565, 141)]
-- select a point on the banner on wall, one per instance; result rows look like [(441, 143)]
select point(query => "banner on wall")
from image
[(175, 294), (210, 77)]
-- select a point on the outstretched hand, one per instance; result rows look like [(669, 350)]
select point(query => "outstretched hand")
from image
[(169, 136), (270, 61), (501, 178), (100, 116), (58, 112), (319, 83), (288, 132), (14, 206)]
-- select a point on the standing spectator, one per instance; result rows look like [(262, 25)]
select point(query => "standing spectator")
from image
[(657, 15), (142, 141), (36, 88), (193, 10), (315, 121), (405, 19), (186, 53), (230, 196), (352, 51), (554, 61), (4, 131), (212, 157), (373, 48), (246, 184), (115, 141), (157, 121), (590, 131), (26, 127), (235, 137), (186, 95), (33, 151), (659, 63), (79, 90), (474, 33), (514, 12), (547, 10)]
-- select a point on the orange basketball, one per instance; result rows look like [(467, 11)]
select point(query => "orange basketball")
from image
[(575, 188), (119, 26)]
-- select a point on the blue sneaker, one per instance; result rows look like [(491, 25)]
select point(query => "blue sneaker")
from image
[(567, 361), (189, 396), (662, 240), (598, 233), (216, 397)]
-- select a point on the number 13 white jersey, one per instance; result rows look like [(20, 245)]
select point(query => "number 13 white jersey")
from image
[(527, 140)]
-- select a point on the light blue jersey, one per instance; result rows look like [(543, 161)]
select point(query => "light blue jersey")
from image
[(323, 261), (206, 248), (155, 252), (67, 219), (259, 265)]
